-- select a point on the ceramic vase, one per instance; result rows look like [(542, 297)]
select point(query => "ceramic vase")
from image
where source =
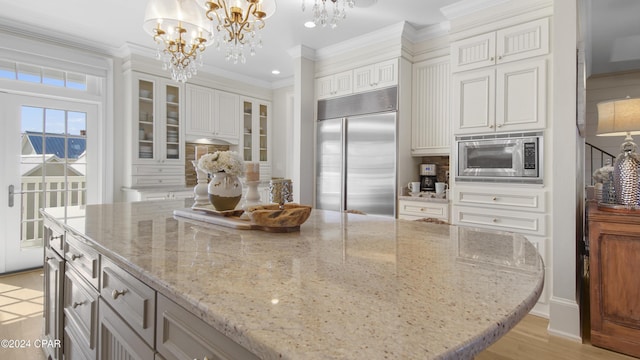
[(225, 191)]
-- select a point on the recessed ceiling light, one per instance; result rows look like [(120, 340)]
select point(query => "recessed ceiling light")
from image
[(309, 24), (275, 72)]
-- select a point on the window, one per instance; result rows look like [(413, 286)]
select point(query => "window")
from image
[(42, 75)]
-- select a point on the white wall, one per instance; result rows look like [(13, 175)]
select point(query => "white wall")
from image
[(282, 133)]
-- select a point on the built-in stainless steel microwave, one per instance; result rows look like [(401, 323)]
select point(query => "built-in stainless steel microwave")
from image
[(513, 157)]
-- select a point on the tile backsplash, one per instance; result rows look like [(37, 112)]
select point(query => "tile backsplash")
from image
[(190, 153)]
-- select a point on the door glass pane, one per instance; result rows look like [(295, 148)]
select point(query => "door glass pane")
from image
[(53, 165), (263, 132), (248, 130)]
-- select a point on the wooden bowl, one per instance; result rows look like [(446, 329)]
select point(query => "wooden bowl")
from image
[(271, 218)]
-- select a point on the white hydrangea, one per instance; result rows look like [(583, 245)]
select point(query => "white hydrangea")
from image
[(230, 162)]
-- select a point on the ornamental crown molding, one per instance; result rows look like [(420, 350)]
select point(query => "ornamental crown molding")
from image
[(392, 32), (467, 7)]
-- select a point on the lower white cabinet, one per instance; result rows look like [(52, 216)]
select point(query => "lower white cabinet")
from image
[(181, 335), (117, 340), (151, 193), (416, 210)]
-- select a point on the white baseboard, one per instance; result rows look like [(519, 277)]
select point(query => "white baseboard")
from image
[(541, 310), (564, 319)]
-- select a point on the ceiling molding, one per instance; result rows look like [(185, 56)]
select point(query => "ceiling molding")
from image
[(467, 7), (392, 32), (302, 51)]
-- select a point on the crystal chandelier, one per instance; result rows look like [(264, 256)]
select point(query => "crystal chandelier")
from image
[(240, 21), (321, 15), (180, 30)]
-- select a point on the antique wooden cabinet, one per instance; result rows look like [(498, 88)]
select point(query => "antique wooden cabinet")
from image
[(614, 242)]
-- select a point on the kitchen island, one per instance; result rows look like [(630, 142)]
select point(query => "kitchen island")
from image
[(345, 286)]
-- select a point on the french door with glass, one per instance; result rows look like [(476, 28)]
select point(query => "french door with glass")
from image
[(44, 164)]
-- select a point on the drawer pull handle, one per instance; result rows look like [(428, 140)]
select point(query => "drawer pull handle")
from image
[(76, 304), (59, 237), (421, 209), (48, 258), (116, 293), (74, 256)]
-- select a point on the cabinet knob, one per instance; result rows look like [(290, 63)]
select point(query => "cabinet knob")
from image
[(74, 256), (490, 126), (117, 293), (492, 59), (76, 304), (48, 258), (59, 237), (500, 57), (494, 220), (421, 209), (494, 198), (499, 125)]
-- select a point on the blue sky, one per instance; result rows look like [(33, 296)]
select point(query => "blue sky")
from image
[(52, 120)]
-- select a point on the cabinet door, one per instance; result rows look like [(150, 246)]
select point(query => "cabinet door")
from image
[(343, 83), (227, 119), (199, 111), (171, 136), (53, 313), (473, 53), (523, 41), (324, 87), (431, 124), (386, 73), (144, 147), (521, 95), (364, 78), (116, 340), (474, 101)]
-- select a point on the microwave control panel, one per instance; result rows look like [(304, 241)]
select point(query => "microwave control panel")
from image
[(530, 156)]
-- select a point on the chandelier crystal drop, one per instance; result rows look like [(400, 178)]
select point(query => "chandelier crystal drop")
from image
[(180, 30), (321, 14), (240, 22)]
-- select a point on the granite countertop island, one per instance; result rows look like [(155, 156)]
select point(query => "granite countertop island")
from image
[(345, 286)]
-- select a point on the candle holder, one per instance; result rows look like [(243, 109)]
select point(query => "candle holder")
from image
[(281, 192), (252, 196), (201, 194)]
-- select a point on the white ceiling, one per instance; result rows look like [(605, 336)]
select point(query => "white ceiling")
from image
[(612, 34), (111, 24)]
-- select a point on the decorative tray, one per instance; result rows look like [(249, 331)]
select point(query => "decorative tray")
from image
[(209, 209)]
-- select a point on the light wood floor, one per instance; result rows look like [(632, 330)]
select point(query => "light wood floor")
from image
[(21, 318), (529, 340)]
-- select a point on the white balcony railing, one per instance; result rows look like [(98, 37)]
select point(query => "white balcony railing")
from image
[(37, 194)]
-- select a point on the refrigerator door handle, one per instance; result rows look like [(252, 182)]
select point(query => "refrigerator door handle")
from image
[(343, 175)]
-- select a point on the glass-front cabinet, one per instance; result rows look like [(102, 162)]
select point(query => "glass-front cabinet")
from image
[(157, 114), (256, 122)]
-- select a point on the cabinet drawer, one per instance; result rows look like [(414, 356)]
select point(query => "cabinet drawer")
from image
[(522, 222), (83, 258), (54, 238), (130, 298), (158, 170), (424, 209), (81, 312), (523, 199), (157, 180), (182, 335)]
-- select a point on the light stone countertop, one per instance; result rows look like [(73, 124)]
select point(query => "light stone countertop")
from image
[(345, 286)]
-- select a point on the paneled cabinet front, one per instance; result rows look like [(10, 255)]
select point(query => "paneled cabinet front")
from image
[(212, 114), (431, 125), (256, 130), (53, 314), (375, 76), (80, 317)]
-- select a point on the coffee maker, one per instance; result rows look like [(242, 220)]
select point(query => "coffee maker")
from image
[(428, 177)]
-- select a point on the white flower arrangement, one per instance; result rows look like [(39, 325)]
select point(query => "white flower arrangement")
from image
[(230, 162)]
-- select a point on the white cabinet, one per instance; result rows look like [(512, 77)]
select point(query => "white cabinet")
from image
[(417, 209), (53, 315), (431, 124), (510, 44), (117, 340), (334, 85), (376, 76), (212, 114), (157, 193), (506, 88), (505, 98), (80, 317), (256, 130), (156, 130)]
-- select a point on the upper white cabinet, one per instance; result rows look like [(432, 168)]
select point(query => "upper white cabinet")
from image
[(507, 98), (212, 114), (361, 79), (256, 115), (335, 85), (375, 76), (503, 92), (430, 126), (154, 108), (505, 45)]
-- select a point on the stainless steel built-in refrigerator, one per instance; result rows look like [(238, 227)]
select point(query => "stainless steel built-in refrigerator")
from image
[(356, 153)]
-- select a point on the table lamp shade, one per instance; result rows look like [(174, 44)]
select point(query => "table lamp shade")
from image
[(619, 117)]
